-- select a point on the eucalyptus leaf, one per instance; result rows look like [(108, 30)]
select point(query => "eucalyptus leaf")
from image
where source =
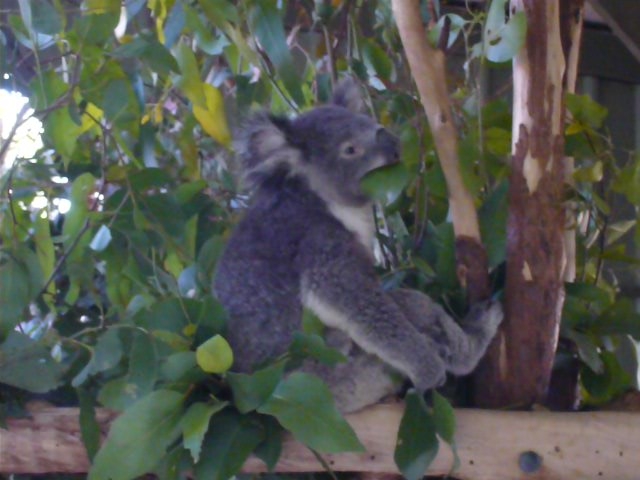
[(417, 444), (195, 425), (304, 406), (271, 447), (89, 427), (228, 443), (214, 355), (139, 437), (503, 37), (250, 391), (266, 24), (385, 183), (105, 355), (27, 364), (313, 346), (45, 18)]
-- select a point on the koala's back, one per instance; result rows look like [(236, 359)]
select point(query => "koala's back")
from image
[(258, 276)]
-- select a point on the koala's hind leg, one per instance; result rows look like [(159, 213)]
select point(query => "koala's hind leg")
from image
[(363, 380), (461, 346)]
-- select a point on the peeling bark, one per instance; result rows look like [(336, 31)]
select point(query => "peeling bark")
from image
[(519, 365)]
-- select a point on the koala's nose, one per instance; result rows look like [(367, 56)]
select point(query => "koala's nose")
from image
[(389, 144)]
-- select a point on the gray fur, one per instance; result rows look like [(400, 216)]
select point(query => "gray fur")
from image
[(306, 241)]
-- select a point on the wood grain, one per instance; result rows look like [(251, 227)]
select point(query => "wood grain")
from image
[(490, 444)]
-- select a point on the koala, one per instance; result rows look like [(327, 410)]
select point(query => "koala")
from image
[(306, 241)]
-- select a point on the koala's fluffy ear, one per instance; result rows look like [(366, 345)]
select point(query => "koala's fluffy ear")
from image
[(264, 147), (348, 94)]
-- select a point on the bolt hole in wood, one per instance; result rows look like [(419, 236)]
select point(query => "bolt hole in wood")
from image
[(530, 461)]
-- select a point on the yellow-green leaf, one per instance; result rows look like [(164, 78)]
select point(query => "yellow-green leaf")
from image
[(214, 355), (212, 116), (94, 7)]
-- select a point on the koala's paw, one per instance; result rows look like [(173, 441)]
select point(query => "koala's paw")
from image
[(487, 315)]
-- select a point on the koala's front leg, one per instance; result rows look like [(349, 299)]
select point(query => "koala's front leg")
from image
[(340, 287), (460, 345)]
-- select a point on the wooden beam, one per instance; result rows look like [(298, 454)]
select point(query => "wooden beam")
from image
[(492, 445)]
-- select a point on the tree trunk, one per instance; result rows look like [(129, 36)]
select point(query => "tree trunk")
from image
[(518, 369)]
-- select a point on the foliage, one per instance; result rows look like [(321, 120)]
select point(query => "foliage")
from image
[(109, 235)]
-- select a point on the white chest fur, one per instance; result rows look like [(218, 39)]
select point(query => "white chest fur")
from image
[(358, 220)]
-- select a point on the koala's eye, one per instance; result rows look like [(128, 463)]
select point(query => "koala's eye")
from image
[(349, 150)]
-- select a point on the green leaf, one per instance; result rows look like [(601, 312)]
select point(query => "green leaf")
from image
[(15, 293), (148, 178), (377, 60), (151, 52), (503, 38), (593, 295), (444, 417), (493, 224), (219, 12), (386, 183), (229, 442), (119, 104), (105, 355), (179, 365), (587, 350), (45, 18), (189, 81), (211, 115), (417, 443), (96, 28), (311, 324), (271, 447), (266, 24), (589, 173), (116, 394), (498, 141), (27, 364), (313, 346), (304, 406), (585, 110), (143, 368), (214, 355), (89, 427), (604, 386), (445, 422), (627, 181), (93, 7), (195, 424), (79, 211), (139, 437), (45, 252), (101, 239), (251, 391), (622, 318)]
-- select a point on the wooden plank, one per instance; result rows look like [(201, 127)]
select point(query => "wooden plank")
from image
[(490, 444)]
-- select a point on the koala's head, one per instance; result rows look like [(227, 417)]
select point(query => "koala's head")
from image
[(333, 146)]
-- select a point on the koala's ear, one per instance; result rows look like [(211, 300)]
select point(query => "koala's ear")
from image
[(264, 147), (348, 94)]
